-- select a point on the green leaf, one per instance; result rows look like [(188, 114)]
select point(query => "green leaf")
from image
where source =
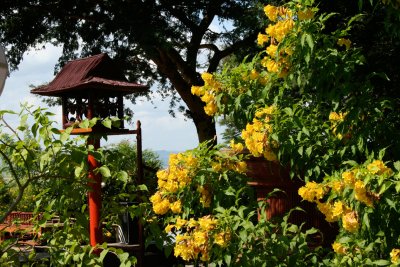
[(123, 176), (243, 235), (398, 187), (308, 151), (306, 131), (105, 171), (142, 187), (84, 124), (228, 259), (397, 165), (390, 203), (103, 254), (366, 220), (288, 111), (78, 171), (381, 263), (310, 41), (107, 123), (300, 150), (34, 129), (93, 122)]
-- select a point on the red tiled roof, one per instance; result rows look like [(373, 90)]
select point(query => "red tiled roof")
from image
[(96, 73)]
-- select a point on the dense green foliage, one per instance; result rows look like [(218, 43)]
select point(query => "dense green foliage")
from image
[(46, 171), (322, 100)]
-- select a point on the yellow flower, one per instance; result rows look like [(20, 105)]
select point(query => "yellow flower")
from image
[(241, 167), (262, 38), (272, 66), (176, 207), (350, 221), (169, 227), (256, 134), (312, 191), (270, 155), (254, 74), (170, 186), (192, 223), (211, 108), (263, 80), (305, 14), (271, 50), (197, 90), (205, 196), (379, 168), (361, 193), (207, 223), (207, 97), (326, 209), (162, 207), (337, 186), (156, 198), (183, 248), (279, 30), (271, 12), (339, 248), (180, 223), (344, 42), (269, 110), (216, 166), (200, 238), (237, 147), (394, 255), (207, 78), (334, 116), (222, 239), (349, 178), (338, 209)]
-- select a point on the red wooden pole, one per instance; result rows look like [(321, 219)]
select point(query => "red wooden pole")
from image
[(94, 198), (139, 157)]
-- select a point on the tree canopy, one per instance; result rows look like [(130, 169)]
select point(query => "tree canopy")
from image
[(155, 41)]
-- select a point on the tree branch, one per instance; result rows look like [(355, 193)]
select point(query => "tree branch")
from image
[(9, 163), (214, 61), (211, 47), (181, 16)]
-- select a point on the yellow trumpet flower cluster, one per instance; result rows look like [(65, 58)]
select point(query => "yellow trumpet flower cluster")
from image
[(350, 181), (338, 210), (379, 168), (395, 255), (335, 119), (208, 92), (221, 164), (344, 42), (181, 169), (338, 248), (256, 134), (275, 33), (312, 191), (195, 238)]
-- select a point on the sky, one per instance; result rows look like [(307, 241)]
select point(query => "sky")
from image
[(160, 131)]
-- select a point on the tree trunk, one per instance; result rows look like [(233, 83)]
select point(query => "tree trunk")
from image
[(182, 81), (205, 126)]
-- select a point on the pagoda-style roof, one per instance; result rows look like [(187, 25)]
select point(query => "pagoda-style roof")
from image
[(98, 74)]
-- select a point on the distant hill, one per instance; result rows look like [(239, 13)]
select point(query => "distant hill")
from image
[(164, 156)]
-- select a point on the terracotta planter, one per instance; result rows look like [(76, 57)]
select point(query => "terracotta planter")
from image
[(266, 176)]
